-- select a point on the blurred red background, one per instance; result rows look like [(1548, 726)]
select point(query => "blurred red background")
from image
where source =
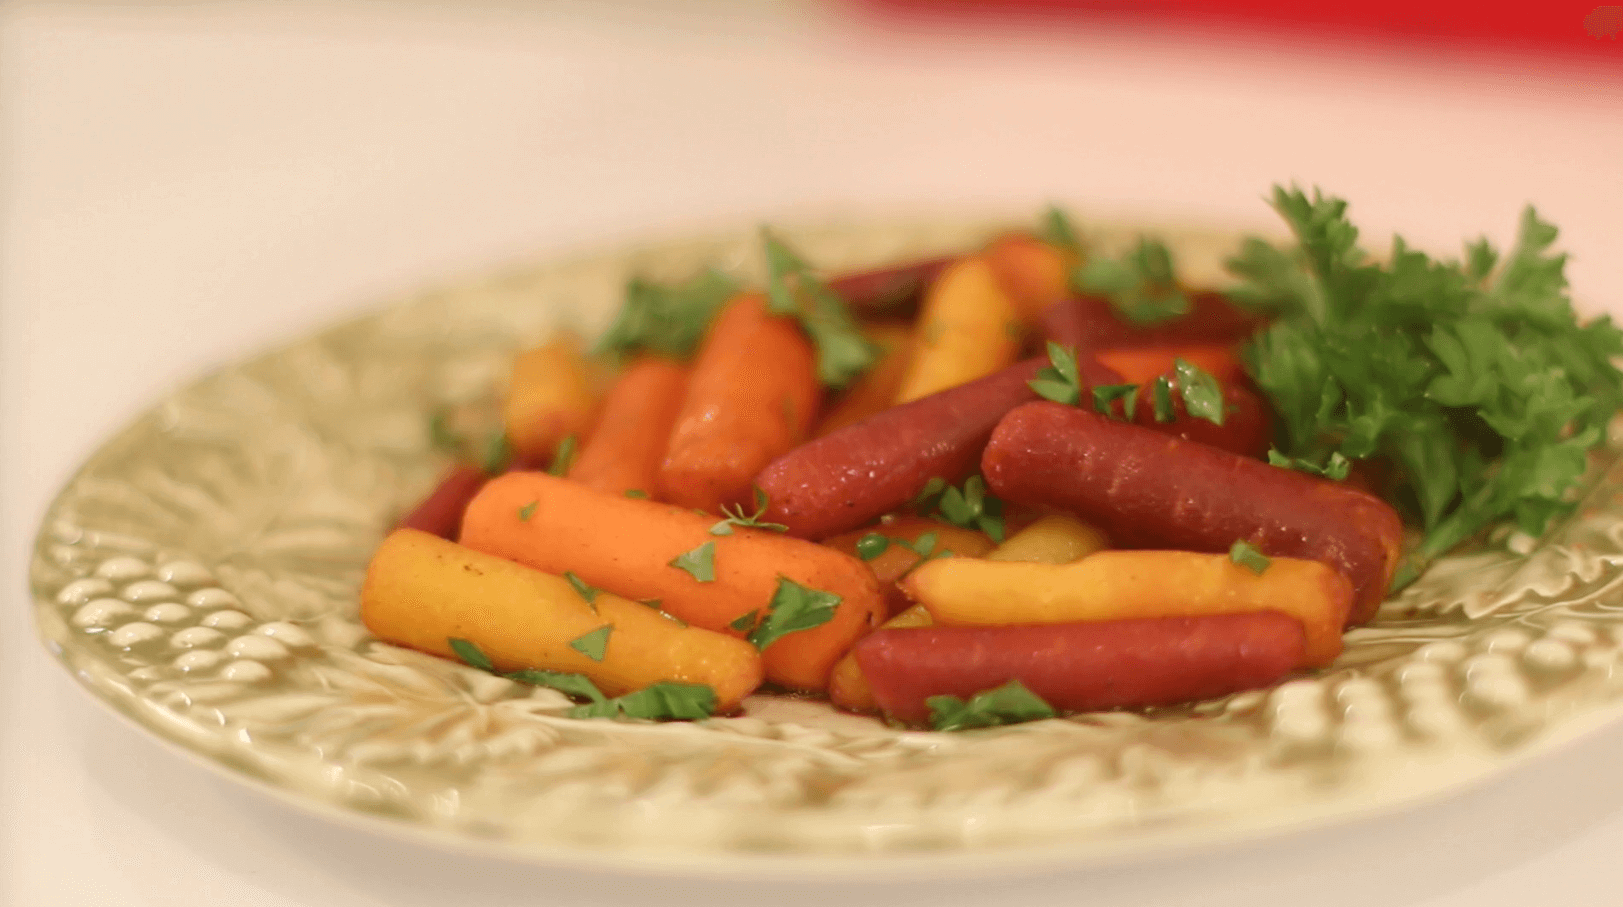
[(1582, 29)]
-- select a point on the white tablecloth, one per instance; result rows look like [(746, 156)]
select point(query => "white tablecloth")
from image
[(186, 183)]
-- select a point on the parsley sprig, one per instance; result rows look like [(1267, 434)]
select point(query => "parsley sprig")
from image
[(1011, 703), (1141, 286), (793, 608), (737, 517), (793, 288), (1473, 376), (666, 701), (668, 319), (969, 507), (1201, 392)]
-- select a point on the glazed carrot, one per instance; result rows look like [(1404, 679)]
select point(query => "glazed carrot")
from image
[(888, 291), (895, 558), (1116, 585), (1054, 539), (1139, 365), (1035, 274), (633, 548), (1081, 667), (847, 687), (552, 395), (441, 512), (876, 389), (422, 591), (628, 443), (968, 329), (752, 395)]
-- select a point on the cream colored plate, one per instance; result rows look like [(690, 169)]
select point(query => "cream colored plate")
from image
[(199, 575)]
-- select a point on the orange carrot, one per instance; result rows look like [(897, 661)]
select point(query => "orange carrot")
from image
[(892, 562), (629, 441), (1139, 365), (643, 550), (876, 389), (752, 396), (1034, 274)]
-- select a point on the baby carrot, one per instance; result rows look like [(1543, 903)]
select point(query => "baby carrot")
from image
[(1143, 364), (441, 512), (752, 395), (1054, 539), (848, 687), (628, 443), (876, 389), (1035, 274), (1114, 585), (422, 591), (552, 396), (969, 328), (712, 574), (891, 549)]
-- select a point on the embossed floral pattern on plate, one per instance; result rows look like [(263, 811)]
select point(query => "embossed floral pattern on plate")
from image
[(199, 575)]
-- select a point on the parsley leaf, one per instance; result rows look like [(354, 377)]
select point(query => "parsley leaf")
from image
[(594, 644), (666, 701), (1473, 377), (1057, 230), (1335, 468), (1247, 556), (1141, 285), (700, 563), (1106, 395), (1011, 703), (498, 454), (872, 545), (970, 507), (585, 591), (563, 456), (1161, 398), (793, 608), (636, 493), (843, 352), (528, 510), (441, 435), (1202, 395), (744, 622), (666, 319), (471, 654), (1059, 381), (576, 685)]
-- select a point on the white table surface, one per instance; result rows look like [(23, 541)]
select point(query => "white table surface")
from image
[(188, 182)]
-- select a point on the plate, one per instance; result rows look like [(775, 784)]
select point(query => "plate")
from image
[(199, 575)]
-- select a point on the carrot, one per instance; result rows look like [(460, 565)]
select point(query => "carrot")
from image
[(633, 548), (1053, 539), (876, 389), (1139, 365), (848, 687), (752, 395), (891, 558), (1116, 585), (422, 591), (626, 447), (1080, 667), (888, 291), (969, 328), (441, 512), (552, 395), (1035, 274)]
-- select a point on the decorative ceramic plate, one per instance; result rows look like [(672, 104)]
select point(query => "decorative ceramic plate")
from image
[(199, 575)]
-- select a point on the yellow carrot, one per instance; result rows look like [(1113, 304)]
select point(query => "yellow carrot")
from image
[(968, 329), (1055, 539), (1115, 585), (847, 687), (422, 591), (552, 395)]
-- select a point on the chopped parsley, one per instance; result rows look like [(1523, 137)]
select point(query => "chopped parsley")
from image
[(794, 289), (1246, 555), (700, 563), (1141, 285), (594, 644), (793, 608), (666, 319), (1011, 703)]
